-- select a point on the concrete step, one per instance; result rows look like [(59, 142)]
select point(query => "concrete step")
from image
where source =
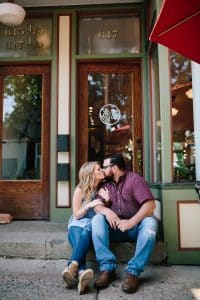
[(47, 240)]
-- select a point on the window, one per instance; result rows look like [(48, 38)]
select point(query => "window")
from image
[(182, 118), (21, 132), (109, 34)]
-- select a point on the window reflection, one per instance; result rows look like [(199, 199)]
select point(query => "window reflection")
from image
[(21, 148), (182, 118)]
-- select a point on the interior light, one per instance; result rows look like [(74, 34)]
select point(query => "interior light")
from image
[(174, 111), (11, 14), (188, 93)]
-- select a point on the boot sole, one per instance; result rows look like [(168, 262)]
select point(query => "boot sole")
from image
[(130, 291), (84, 280), (69, 279)]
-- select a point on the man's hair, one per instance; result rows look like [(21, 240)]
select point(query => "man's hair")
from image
[(118, 160)]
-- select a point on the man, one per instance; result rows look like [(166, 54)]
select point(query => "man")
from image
[(128, 219)]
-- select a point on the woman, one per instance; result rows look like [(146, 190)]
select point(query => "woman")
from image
[(79, 226)]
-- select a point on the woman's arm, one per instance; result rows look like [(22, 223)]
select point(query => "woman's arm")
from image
[(79, 210)]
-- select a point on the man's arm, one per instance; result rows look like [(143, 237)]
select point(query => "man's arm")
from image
[(145, 210)]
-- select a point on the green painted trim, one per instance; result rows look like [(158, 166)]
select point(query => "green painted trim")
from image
[(178, 186), (156, 185), (26, 58), (183, 257), (146, 102), (108, 56), (173, 186), (53, 128)]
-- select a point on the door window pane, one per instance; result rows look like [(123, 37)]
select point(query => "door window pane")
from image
[(21, 133), (182, 118), (109, 34), (110, 116)]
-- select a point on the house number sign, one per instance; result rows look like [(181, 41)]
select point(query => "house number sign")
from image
[(32, 37)]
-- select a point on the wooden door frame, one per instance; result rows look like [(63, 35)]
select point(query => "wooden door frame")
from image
[(38, 189), (133, 66)]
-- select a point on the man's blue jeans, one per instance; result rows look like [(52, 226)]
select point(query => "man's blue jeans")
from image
[(80, 240), (144, 234)]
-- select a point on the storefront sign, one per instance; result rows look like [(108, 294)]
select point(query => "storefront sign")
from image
[(109, 114)]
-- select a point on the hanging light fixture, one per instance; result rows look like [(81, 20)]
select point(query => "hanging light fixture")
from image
[(11, 14)]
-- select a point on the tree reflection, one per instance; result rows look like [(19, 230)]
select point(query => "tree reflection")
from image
[(22, 126)]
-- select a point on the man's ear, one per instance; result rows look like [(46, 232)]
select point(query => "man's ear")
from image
[(114, 168)]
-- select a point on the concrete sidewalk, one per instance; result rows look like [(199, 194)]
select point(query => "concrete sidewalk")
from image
[(39, 279), (33, 255), (47, 240)]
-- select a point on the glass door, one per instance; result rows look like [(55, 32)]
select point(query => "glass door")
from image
[(24, 149), (109, 112)]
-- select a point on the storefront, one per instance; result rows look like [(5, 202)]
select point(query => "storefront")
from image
[(80, 82)]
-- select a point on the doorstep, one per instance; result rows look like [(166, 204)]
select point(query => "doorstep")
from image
[(48, 240)]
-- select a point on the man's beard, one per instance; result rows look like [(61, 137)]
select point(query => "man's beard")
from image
[(110, 177)]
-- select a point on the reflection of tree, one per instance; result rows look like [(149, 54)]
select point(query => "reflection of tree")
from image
[(108, 88), (96, 86), (180, 68), (22, 122), (25, 118)]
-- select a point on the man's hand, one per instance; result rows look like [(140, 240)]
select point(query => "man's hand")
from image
[(112, 218), (124, 225)]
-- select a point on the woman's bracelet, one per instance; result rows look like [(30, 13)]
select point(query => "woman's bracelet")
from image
[(86, 208)]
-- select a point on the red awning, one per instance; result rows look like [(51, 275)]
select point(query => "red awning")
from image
[(178, 27)]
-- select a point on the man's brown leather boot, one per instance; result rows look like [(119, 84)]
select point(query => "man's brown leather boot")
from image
[(104, 279), (130, 284)]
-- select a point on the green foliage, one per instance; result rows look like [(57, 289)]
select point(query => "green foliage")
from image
[(25, 91)]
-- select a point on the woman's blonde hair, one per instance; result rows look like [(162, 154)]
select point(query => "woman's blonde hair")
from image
[(86, 179)]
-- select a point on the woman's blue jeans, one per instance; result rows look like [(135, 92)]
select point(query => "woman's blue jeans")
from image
[(80, 240), (143, 233)]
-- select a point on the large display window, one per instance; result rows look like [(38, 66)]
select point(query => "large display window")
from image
[(183, 144)]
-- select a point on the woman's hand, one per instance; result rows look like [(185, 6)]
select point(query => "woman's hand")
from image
[(104, 193), (94, 203)]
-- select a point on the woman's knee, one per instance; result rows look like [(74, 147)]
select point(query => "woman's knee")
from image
[(86, 234), (98, 222), (98, 218)]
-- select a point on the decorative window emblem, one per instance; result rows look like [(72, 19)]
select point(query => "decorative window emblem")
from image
[(109, 114)]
